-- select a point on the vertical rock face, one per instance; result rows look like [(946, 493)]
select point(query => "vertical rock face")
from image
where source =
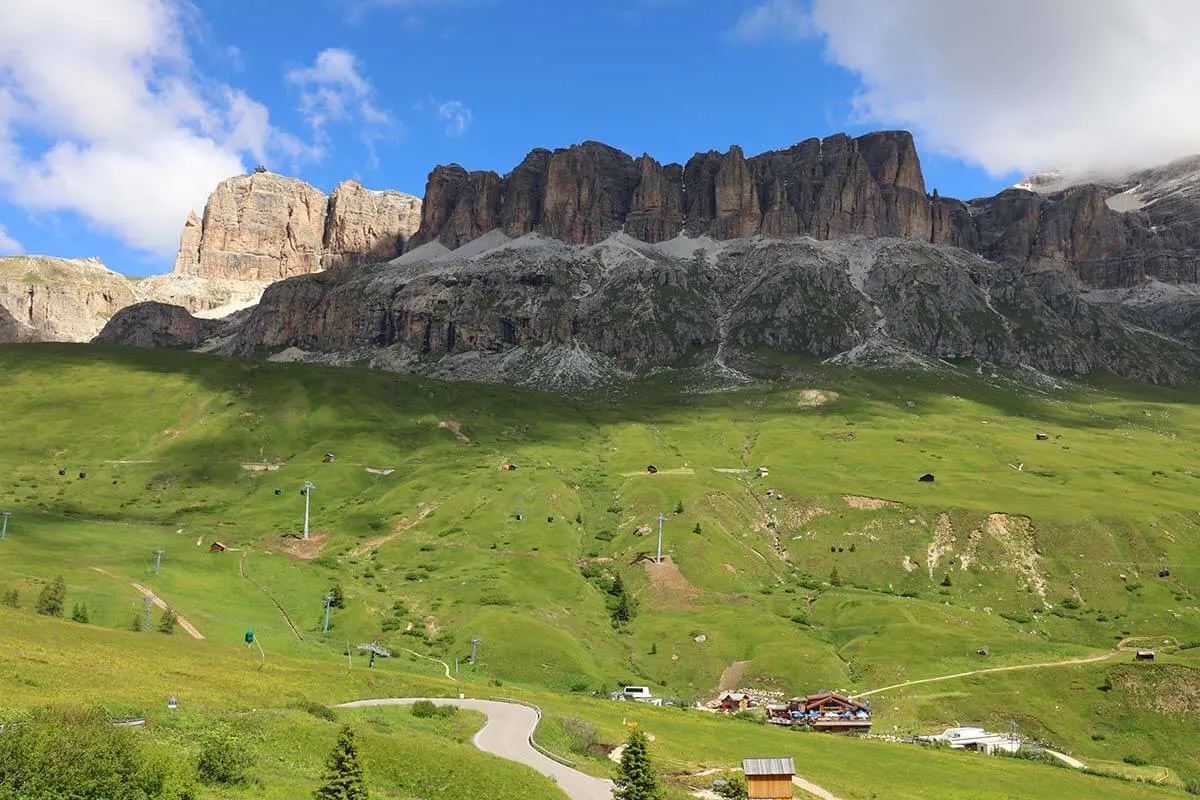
[(656, 211), (363, 226), (581, 194), (265, 227), (260, 227)]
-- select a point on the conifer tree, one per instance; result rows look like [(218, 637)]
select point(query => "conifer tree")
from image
[(835, 577), (80, 613), (343, 772), (52, 598), (635, 775), (167, 623)]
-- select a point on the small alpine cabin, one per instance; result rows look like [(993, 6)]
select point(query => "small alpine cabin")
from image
[(769, 778)]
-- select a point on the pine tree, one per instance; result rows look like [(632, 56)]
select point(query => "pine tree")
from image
[(80, 613), (635, 775), (12, 598), (696, 530), (167, 623), (679, 507), (835, 577), (337, 599), (139, 623), (343, 772), (52, 598), (946, 579)]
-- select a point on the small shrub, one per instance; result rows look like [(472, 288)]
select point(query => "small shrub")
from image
[(318, 710), (224, 759), (1136, 761), (1098, 737), (734, 788), (424, 709), (12, 599), (1069, 603)]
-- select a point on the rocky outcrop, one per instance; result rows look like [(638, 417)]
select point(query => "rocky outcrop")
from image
[(822, 188), (156, 325), (55, 299), (637, 306), (265, 227), (70, 300), (1112, 234), (363, 226), (10, 329)]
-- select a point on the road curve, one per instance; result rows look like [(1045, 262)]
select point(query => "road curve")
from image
[(507, 734)]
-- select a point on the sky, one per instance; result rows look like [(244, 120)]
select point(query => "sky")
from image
[(117, 118)]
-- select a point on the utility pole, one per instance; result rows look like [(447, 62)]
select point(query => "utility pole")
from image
[(4, 525), (328, 603), (158, 554), (306, 491), (660, 522), (474, 648)]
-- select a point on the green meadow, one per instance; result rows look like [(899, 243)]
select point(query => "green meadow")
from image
[(837, 569)]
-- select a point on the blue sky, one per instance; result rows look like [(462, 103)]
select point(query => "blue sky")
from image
[(383, 90)]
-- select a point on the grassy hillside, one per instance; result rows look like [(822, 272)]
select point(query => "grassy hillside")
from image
[(1038, 550)]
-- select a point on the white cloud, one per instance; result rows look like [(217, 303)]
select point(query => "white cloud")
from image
[(1026, 84), (456, 116), (8, 245), (103, 114), (333, 89), (786, 19)]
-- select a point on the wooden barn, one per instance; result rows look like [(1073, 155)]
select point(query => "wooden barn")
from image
[(768, 778), (217, 547), (830, 712)]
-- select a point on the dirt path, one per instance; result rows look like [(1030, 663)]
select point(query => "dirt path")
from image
[(1064, 663), (402, 527), (1066, 759), (158, 601), (731, 678), (813, 789), (445, 666)]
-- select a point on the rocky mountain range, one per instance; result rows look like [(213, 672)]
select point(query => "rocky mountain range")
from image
[(256, 229), (585, 263)]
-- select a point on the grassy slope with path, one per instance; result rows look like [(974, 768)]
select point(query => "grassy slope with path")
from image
[(1109, 498)]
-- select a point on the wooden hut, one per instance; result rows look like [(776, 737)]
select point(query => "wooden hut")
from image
[(217, 547), (734, 701), (1144, 655), (769, 778)]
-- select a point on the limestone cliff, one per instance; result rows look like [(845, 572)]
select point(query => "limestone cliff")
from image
[(265, 227), (54, 299)]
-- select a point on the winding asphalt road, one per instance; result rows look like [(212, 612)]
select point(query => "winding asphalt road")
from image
[(507, 734)]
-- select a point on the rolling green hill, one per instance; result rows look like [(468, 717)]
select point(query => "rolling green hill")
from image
[(836, 570)]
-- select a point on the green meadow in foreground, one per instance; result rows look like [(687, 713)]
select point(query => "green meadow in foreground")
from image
[(838, 569)]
